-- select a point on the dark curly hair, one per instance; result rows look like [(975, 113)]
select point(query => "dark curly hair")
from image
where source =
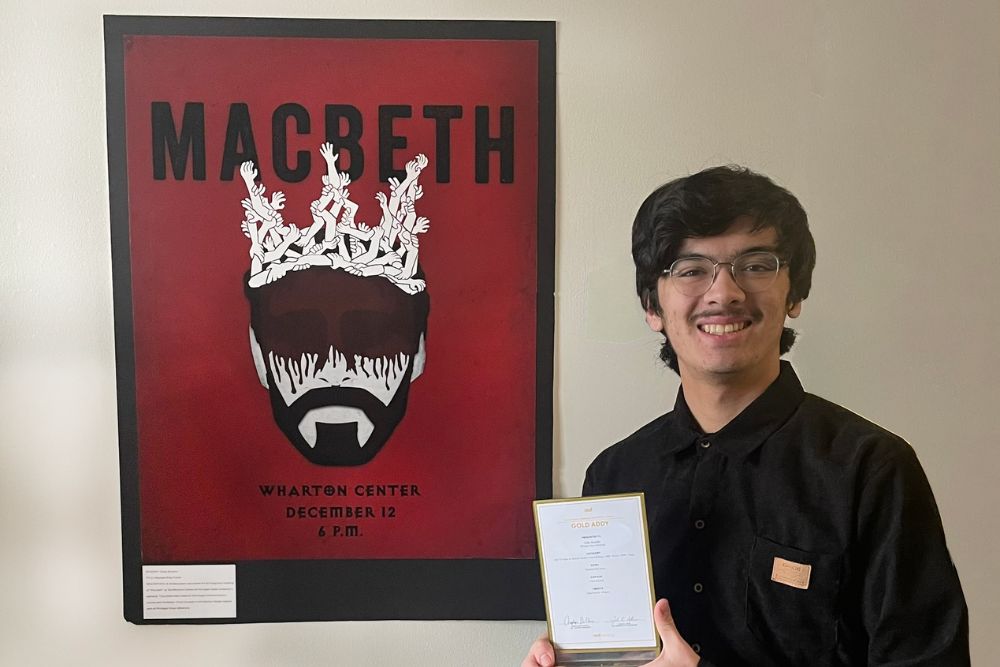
[(706, 204)]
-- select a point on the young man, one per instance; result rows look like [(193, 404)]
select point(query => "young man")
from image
[(784, 529)]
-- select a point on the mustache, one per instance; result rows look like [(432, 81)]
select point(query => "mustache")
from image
[(348, 397)]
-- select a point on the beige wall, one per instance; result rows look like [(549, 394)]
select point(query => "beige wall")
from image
[(883, 117)]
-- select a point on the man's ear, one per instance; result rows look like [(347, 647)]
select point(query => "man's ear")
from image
[(654, 320), (795, 309)]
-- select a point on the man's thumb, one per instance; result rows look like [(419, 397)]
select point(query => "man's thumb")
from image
[(664, 621), (676, 651)]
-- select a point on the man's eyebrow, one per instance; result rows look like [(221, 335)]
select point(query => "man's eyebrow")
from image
[(744, 251), (760, 248)]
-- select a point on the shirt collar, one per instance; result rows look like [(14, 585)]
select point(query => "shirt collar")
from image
[(749, 429)]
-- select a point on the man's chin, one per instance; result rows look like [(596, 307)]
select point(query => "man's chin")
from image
[(339, 443), (731, 369), (339, 426)]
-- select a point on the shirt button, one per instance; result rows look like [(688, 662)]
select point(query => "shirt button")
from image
[(698, 588), (699, 524), (696, 648), (706, 444)]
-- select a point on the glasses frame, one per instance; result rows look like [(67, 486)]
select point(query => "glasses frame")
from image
[(668, 272)]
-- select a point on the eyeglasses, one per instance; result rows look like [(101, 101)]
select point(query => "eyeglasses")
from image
[(753, 272)]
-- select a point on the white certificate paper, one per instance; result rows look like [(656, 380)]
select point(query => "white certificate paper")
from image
[(596, 572)]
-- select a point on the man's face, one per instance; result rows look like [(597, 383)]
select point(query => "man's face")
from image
[(696, 325), (337, 353)]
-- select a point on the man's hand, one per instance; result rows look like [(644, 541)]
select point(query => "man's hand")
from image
[(676, 652), (541, 654), (421, 225), (248, 173), (326, 150)]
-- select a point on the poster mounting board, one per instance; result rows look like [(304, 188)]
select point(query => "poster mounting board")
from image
[(332, 249)]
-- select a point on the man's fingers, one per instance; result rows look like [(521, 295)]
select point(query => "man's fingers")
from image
[(541, 654), (676, 651), (665, 625)]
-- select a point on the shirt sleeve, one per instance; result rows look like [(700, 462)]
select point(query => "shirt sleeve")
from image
[(595, 481), (589, 483), (913, 608)]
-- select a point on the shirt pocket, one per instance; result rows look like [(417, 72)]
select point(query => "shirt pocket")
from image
[(798, 623)]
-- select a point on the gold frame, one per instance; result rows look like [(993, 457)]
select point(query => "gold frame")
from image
[(649, 572)]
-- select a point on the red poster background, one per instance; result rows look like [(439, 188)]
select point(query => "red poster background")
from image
[(206, 437)]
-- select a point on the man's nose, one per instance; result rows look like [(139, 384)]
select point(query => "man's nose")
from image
[(724, 288)]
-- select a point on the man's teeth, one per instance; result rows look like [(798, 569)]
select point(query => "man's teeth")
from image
[(336, 414), (719, 329)]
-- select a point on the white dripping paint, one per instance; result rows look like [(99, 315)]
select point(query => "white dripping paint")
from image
[(380, 377)]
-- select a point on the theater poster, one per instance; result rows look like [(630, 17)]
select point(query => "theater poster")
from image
[(333, 246)]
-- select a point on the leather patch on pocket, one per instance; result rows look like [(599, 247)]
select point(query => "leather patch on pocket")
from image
[(791, 573)]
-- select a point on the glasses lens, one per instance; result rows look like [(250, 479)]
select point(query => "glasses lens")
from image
[(692, 275), (756, 271)]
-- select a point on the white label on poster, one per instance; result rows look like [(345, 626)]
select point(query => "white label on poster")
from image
[(188, 591)]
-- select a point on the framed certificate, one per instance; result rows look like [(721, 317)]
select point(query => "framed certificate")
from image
[(597, 579), (332, 246)]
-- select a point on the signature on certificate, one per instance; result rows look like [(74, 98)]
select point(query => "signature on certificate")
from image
[(624, 621), (577, 622)]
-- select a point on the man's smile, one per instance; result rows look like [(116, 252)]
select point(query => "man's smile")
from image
[(723, 322), (720, 329)]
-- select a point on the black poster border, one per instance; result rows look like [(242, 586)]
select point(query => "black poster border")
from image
[(313, 590)]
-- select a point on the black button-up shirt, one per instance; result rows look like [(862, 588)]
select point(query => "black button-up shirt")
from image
[(799, 534)]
